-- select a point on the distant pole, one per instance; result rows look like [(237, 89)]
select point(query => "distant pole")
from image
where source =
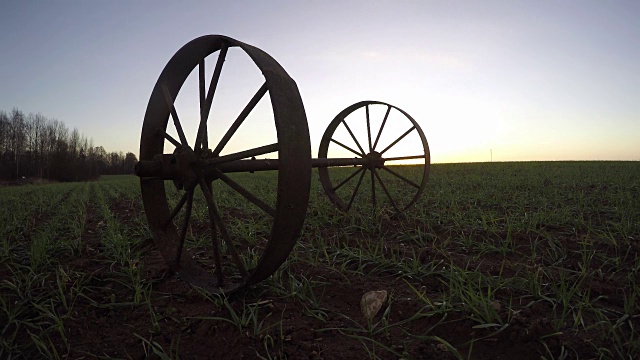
[(491, 151)]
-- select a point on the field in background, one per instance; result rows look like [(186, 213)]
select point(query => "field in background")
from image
[(498, 260)]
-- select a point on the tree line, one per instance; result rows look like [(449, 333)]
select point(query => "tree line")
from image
[(35, 146)]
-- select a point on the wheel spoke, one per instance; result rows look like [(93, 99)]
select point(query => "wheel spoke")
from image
[(179, 206), (355, 191), (349, 178), (204, 113), (214, 227), (214, 215), (183, 233), (203, 97), (348, 148), (201, 89), (176, 210), (386, 115), (401, 177), (369, 129), (168, 137), (373, 190), (353, 136), (398, 139), (384, 188), (243, 115), (405, 158), (245, 193), (174, 114), (214, 239), (244, 154)]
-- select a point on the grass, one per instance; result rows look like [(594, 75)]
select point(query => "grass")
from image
[(540, 260)]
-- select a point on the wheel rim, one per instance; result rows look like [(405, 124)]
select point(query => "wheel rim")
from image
[(292, 148), (382, 144)]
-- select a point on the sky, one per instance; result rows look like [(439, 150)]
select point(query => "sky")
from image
[(485, 80)]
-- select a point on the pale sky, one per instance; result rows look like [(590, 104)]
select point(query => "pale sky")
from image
[(525, 80)]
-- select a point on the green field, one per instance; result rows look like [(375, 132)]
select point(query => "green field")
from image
[(537, 260)]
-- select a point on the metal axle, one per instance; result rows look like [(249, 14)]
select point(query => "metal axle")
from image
[(166, 166)]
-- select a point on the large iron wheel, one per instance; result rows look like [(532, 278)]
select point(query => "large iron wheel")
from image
[(388, 138), (231, 263)]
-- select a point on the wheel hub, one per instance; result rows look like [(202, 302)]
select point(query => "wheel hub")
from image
[(375, 160), (186, 161)]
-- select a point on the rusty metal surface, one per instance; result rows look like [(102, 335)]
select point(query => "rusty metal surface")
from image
[(372, 160), (294, 165)]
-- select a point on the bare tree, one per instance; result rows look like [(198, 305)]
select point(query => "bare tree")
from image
[(130, 161), (34, 146), (4, 143), (17, 139), (41, 125)]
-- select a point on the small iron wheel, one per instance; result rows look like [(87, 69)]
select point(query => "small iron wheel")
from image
[(382, 137), (198, 171)]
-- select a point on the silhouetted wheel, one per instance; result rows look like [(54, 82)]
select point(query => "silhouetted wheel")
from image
[(199, 172), (393, 151)]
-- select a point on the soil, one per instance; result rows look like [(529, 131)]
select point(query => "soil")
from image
[(109, 323)]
